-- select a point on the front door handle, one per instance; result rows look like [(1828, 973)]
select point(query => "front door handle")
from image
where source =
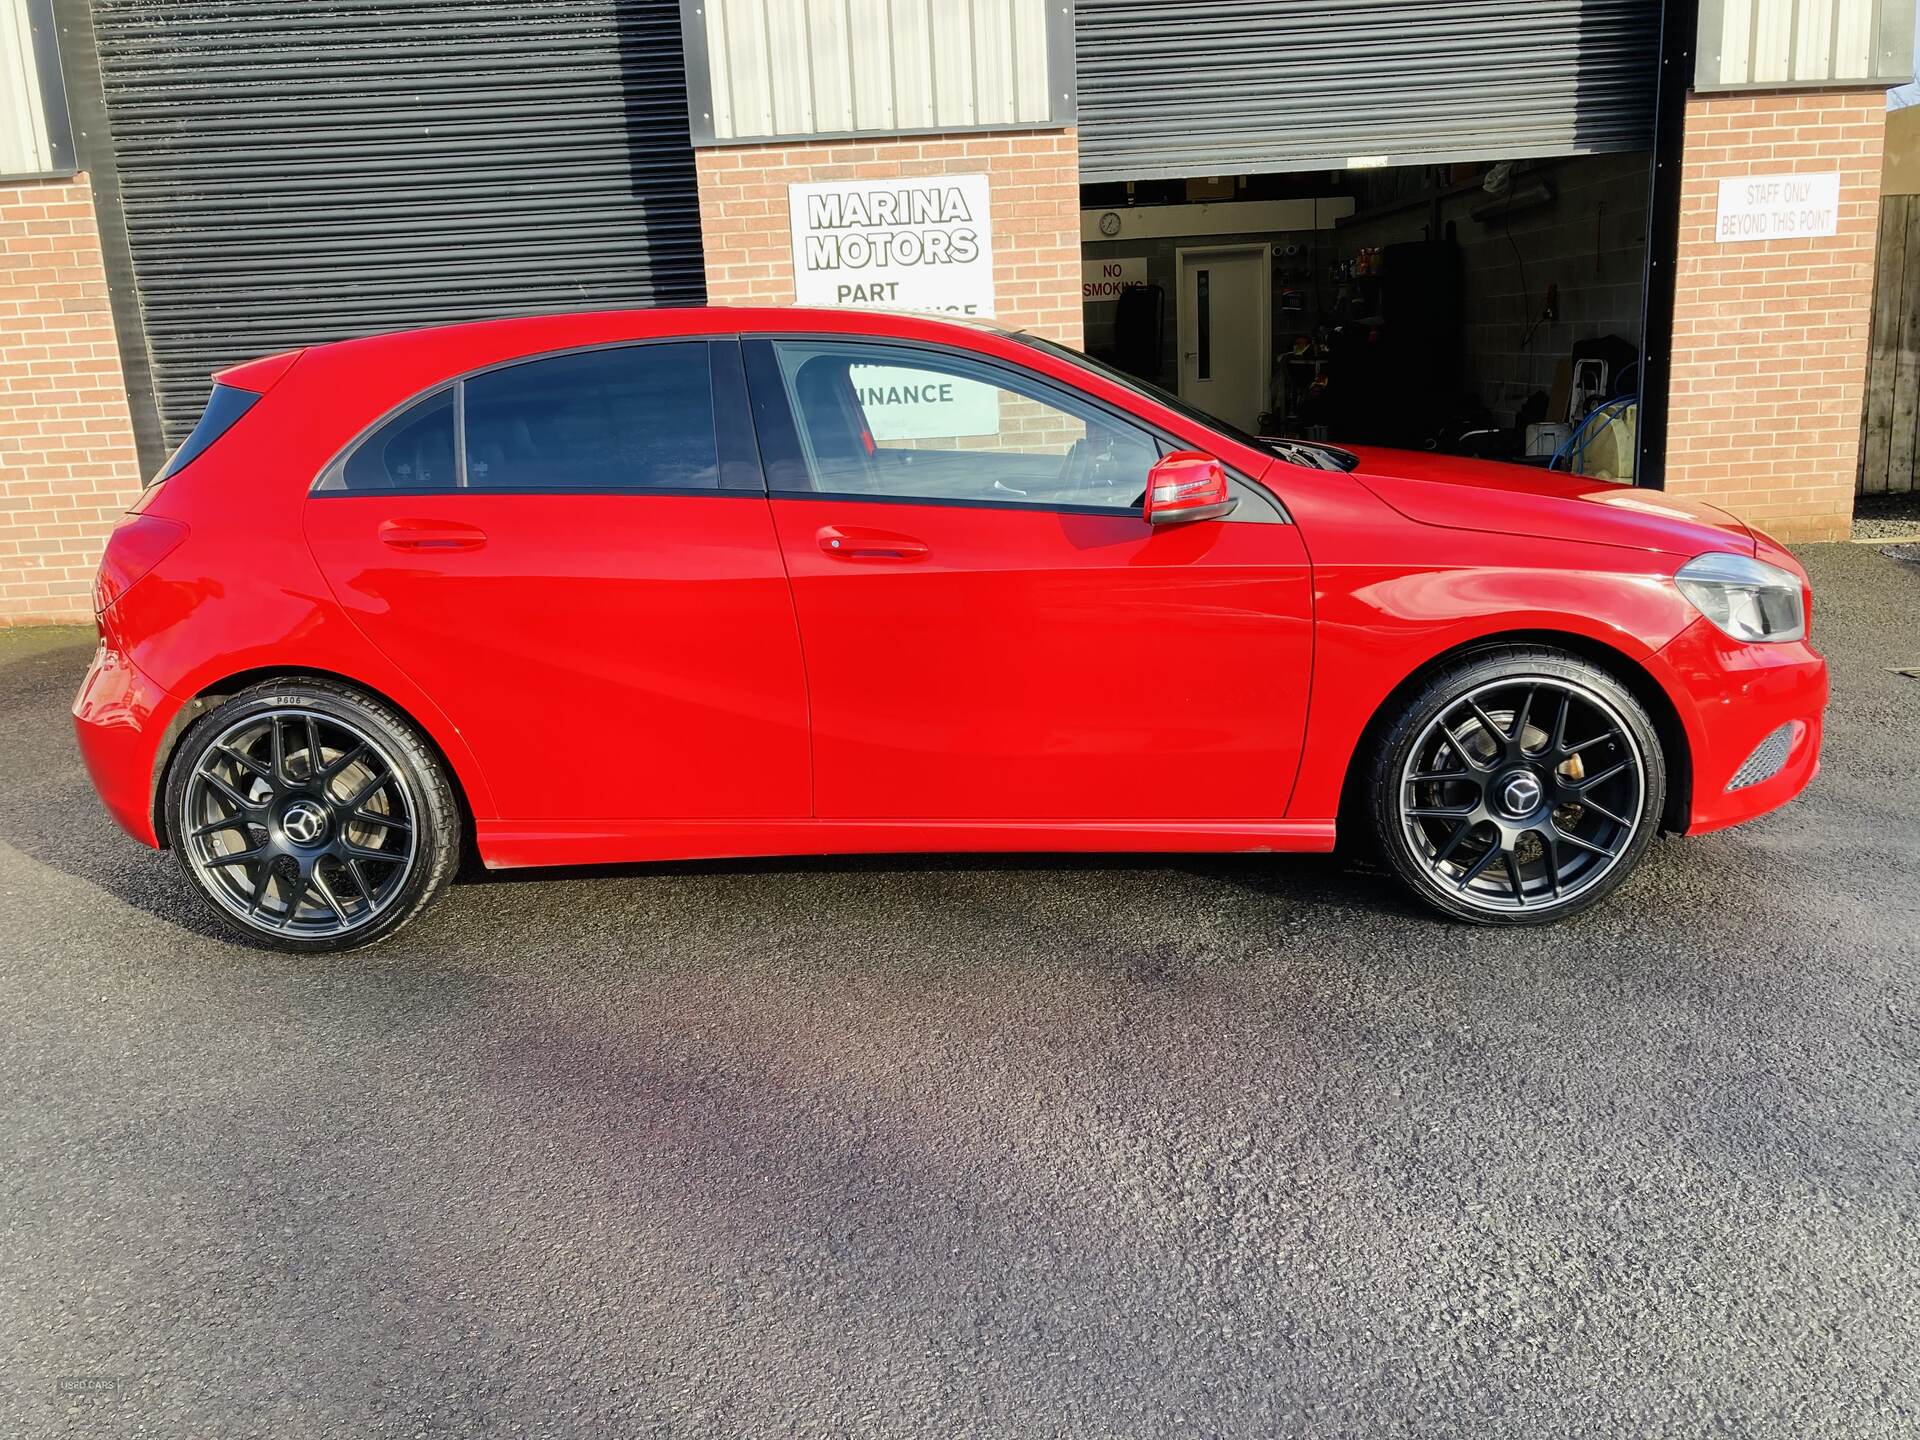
[(857, 542), (430, 535)]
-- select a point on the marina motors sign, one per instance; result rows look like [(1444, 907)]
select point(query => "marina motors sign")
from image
[(911, 243)]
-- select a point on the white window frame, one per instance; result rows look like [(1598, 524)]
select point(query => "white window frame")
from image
[(36, 135)]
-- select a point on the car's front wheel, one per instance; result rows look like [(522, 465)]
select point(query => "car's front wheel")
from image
[(311, 817), (1517, 786)]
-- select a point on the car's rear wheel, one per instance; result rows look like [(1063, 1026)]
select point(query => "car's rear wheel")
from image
[(1517, 786), (311, 817)]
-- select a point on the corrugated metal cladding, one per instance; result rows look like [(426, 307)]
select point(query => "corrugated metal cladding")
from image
[(297, 171), (826, 67), (1219, 87), (1768, 43)]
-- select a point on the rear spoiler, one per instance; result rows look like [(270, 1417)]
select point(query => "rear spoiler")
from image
[(258, 376)]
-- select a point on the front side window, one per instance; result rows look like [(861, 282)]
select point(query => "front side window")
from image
[(915, 424), (635, 417)]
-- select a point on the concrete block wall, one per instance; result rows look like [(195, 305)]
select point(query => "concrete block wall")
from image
[(1770, 336), (67, 462), (1589, 241), (1034, 180)]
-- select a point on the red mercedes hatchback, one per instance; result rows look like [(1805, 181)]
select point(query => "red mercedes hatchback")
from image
[(667, 584)]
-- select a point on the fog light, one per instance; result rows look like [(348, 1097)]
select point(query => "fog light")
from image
[(1765, 761)]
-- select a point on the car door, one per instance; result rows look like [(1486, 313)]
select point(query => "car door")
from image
[(992, 631), (574, 556)]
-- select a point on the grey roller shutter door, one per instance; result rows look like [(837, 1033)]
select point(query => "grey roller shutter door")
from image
[(1202, 87), (296, 171)]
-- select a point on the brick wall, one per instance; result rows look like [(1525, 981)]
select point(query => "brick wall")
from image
[(67, 463), (1035, 194), (1770, 337)]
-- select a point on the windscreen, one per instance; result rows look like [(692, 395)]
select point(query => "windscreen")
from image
[(1296, 452)]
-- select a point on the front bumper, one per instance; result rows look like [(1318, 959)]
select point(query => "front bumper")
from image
[(120, 718), (1742, 705)]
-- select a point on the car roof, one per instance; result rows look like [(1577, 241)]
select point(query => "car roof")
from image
[(409, 361), (571, 327), (412, 356)]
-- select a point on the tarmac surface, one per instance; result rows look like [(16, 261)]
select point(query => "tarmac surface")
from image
[(938, 1147)]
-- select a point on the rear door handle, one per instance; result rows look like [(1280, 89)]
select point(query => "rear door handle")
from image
[(857, 542), (430, 535)]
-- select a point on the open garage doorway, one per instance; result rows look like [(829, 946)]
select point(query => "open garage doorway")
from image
[(1491, 309)]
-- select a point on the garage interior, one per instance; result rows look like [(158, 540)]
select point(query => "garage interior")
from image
[(1421, 224), (1490, 309)]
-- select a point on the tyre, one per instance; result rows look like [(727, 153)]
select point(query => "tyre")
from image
[(311, 817), (1518, 786)]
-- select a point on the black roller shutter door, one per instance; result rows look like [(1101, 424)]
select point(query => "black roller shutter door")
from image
[(296, 171), (1170, 88)]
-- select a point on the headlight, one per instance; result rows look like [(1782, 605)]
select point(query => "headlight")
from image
[(1747, 598)]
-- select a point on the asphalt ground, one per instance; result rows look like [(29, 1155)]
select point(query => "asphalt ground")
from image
[(952, 1147)]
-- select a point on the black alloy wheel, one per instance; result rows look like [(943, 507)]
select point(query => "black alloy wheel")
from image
[(1518, 787), (310, 817)]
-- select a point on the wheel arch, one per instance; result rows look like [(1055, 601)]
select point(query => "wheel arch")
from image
[(1640, 682), (219, 691)]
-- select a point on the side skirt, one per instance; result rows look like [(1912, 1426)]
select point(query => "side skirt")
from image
[(509, 845)]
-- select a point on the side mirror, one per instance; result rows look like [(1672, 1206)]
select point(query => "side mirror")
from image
[(1187, 485)]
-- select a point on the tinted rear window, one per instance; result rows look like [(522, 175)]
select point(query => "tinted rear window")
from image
[(635, 417), (412, 451), (638, 417), (224, 407)]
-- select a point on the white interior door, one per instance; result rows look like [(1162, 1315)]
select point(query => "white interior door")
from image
[(1226, 330)]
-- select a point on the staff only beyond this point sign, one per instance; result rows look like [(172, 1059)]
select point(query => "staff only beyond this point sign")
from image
[(914, 243), (1778, 207)]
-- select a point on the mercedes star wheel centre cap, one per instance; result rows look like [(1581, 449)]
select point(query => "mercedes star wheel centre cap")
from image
[(304, 822), (1521, 794)]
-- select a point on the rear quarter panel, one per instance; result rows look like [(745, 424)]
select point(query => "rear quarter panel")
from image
[(246, 579)]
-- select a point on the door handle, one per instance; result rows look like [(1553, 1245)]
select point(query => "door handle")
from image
[(430, 535), (857, 542)]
